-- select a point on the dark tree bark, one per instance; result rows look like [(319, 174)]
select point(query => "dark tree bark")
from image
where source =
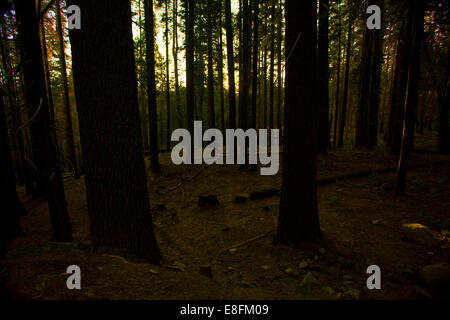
[(212, 114), (255, 61), (265, 88), (175, 63), (220, 70), (324, 75), (444, 143), (71, 156), (106, 94), (398, 94), (299, 220), (12, 209), (168, 116), (244, 86), (272, 68), (151, 85), (44, 143), (338, 83), (346, 83), (369, 88), (230, 60), (190, 76), (279, 60), (415, 24)]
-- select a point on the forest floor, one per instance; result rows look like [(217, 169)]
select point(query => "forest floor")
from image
[(206, 250)]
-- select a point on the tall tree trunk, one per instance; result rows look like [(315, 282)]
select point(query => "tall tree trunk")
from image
[(175, 63), (230, 60), (414, 42), (398, 94), (71, 156), (107, 102), (244, 86), (346, 82), (279, 60), (375, 88), (220, 71), (255, 61), (168, 118), (190, 76), (299, 220), (44, 142), (444, 143), (12, 209), (212, 114), (272, 68), (265, 88), (324, 75), (151, 85), (338, 81)]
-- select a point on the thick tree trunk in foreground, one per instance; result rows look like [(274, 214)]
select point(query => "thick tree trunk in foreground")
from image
[(299, 219), (323, 142), (168, 106), (151, 85), (444, 101), (44, 143), (106, 92), (255, 62), (416, 21), (71, 156)]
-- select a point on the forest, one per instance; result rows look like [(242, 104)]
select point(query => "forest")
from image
[(352, 98)]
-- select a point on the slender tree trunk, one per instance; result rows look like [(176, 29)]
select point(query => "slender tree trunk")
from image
[(324, 75), (265, 88), (230, 58), (220, 71), (279, 60), (175, 63), (414, 41), (255, 61), (244, 86), (338, 83), (151, 85), (44, 143), (444, 144), (71, 156), (212, 114), (190, 76), (107, 102), (299, 220), (398, 94), (346, 82), (168, 118), (272, 68)]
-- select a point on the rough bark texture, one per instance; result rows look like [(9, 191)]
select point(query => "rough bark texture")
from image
[(255, 61), (44, 143), (106, 92), (190, 76), (168, 106), (299, 220)]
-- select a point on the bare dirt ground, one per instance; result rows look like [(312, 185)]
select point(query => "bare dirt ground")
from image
[(361, 220)]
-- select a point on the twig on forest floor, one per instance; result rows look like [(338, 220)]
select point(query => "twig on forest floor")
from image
[(187, 180), (240, 244)]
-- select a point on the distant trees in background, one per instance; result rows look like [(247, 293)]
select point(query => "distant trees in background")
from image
[(310, 68)]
